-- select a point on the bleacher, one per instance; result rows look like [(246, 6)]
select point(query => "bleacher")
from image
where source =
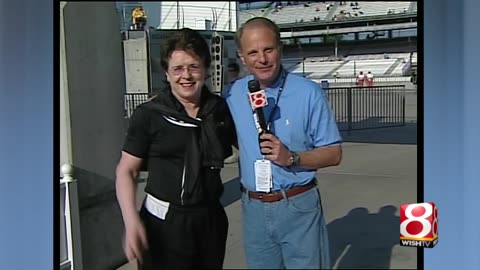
[(376, 66), (244, 15), (288, 14), (299, 13), (315, 68), (413, 7), (351, 9), (364, 9), (322, 67)]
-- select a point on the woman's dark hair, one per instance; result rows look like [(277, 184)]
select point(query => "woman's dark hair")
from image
[(185, 39)]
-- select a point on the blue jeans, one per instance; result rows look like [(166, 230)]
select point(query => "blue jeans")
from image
[(290, 233)]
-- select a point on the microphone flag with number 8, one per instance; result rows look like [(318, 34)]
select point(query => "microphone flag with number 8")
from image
[(258, 99)]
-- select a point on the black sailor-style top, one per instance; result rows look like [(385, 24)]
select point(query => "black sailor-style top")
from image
[(183, 155)]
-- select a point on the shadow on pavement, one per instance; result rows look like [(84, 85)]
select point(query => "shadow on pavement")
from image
[(393, 135), (364, 240)]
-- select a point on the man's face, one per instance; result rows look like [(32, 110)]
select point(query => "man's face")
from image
[(260, 53), (186, 74)]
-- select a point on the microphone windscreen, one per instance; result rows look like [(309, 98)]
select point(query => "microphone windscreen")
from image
[(253, 86)]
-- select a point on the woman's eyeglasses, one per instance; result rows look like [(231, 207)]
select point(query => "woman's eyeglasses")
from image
[(180, 70)]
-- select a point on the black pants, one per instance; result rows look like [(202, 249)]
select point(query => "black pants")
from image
[(188, 238)]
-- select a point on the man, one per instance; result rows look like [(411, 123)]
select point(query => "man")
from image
[(284, 225), (369, 79), (233, 74), (139, 18), (360, 78)]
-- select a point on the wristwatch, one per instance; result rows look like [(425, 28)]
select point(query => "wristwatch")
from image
[(294, 159)]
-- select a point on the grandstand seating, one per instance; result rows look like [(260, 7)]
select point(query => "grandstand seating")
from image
[(301, 13), (318, 68), (288, 14), (314, 68), (413, 7), (374, 8), (376, 66), (244, 15)]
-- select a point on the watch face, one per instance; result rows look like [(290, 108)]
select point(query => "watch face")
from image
[(295, 159)]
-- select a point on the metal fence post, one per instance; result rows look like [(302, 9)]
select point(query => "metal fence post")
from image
[(349, 110), (303, 67), (403, 106)]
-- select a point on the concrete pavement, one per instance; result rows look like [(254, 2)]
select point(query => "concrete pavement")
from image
[(360, 198)]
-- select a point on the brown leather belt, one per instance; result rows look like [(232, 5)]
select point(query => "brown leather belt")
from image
[(276, 196)]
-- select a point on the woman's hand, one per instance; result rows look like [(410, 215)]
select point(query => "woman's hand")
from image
[(135, 239)]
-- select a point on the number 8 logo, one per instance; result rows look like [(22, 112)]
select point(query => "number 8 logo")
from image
[(426, 226), (258, 99)]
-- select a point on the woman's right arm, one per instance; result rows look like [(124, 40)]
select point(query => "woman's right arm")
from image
[(126, 188)]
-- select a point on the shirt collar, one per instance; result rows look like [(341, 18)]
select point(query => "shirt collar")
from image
[(276, 83)]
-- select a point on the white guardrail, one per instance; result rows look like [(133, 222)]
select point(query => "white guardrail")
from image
[(70, 243)]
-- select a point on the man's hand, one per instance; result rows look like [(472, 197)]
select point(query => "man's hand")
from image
[(320, 157), (274, 150)]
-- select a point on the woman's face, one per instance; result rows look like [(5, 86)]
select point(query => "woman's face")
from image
[(186, 75)]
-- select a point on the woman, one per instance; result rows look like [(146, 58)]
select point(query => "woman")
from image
[(183, 134)]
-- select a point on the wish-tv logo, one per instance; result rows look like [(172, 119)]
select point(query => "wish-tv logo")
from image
[(419, 225)]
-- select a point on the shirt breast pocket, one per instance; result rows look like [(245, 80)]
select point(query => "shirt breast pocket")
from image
[(291, 134)]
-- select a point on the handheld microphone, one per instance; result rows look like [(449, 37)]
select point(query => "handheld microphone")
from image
[(258, 100)]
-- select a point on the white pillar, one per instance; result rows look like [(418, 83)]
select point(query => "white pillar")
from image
[(65, 128)]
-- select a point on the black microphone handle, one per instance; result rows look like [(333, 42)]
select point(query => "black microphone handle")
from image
[(262, 123), (261, 119)]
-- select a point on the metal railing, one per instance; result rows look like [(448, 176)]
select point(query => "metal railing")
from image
[(359, 108), (351, 81), (132, 100)]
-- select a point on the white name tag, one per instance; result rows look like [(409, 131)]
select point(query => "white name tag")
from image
[(156, 207), (263, 175)]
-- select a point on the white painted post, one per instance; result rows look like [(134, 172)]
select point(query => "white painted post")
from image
[(72, 218), (67, 171)]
